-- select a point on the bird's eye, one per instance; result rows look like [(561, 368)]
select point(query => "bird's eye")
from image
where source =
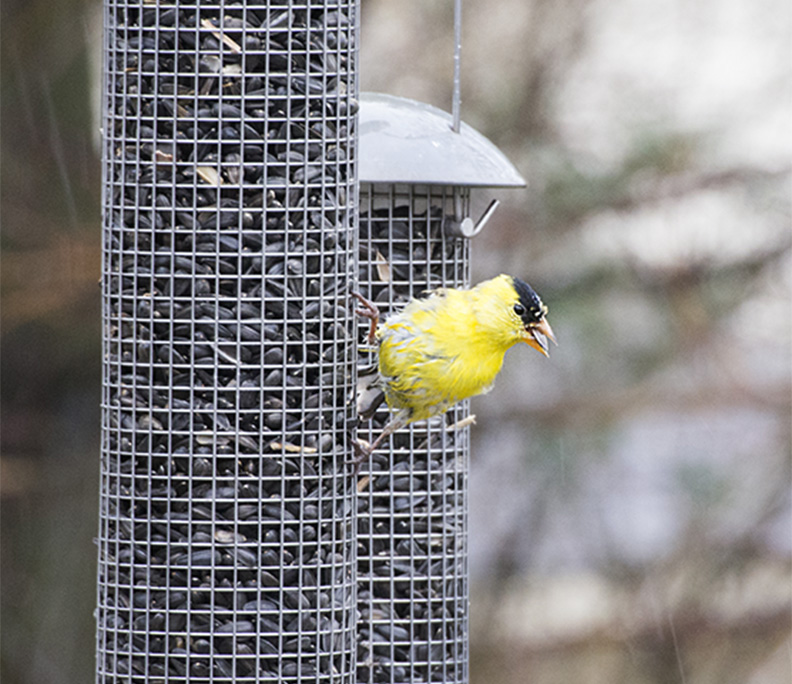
[(519, 309)]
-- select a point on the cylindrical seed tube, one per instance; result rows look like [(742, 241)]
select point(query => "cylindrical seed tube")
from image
[(226, 541), (412, 492)]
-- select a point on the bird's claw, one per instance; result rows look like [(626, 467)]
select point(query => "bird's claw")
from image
[(362, 452), (369, 311)]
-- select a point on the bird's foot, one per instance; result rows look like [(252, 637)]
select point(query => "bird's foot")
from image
[(369, 311), (362, 451)]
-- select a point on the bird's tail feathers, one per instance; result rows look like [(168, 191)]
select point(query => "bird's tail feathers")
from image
[(370, 394)]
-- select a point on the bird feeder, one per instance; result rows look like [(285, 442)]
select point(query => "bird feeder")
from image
[(417, 169), (226, 527), (236, 544)]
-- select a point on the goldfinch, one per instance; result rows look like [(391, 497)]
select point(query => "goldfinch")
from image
[(450, 346)]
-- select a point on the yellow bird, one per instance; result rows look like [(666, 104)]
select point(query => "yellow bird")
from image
[(450, 346)]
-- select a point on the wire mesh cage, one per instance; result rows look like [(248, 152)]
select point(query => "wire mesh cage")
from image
[(234, 543), (226, 539), (418, 166), (412, 493)]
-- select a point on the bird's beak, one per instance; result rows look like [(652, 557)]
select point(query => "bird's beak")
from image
[(536, 336)]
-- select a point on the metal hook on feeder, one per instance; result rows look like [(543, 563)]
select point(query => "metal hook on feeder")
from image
[(465, 227)]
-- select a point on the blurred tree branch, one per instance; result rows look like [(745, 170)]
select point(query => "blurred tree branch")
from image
[(47, 282)]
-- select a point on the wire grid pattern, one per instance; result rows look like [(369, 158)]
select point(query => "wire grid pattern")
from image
[(412, 493), (226, 539)]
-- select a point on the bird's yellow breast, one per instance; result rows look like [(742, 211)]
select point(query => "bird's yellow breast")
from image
[(446, 348)]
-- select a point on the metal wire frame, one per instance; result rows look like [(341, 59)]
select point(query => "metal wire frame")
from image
[(226, 511), (412, 494)]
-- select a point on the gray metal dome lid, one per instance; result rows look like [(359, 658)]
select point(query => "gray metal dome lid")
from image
[(404, 141)]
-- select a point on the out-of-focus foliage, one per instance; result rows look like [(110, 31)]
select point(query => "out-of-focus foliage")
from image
[(51, 351)]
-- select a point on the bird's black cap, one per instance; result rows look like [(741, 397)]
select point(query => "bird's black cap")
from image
[(535, 310)]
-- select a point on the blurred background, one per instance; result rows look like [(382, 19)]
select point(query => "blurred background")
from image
[(630, 496)]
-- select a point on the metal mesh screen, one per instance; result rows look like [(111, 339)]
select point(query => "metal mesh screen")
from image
[(412, 494), (226, 511)]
